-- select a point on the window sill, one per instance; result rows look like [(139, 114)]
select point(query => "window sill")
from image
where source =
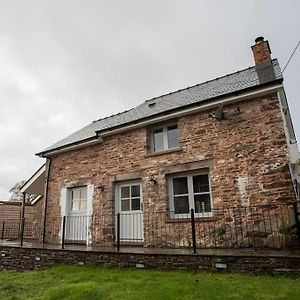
[(163, 152)]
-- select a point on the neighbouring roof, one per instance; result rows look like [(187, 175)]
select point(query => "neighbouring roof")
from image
[(36, 183), (232, 83)]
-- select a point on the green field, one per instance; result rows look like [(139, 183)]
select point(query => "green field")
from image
[(92, 282)]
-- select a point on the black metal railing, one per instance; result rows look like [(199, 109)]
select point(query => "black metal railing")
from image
[(258, 226)]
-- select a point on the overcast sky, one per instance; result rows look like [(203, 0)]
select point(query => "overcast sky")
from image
[(66, 63)]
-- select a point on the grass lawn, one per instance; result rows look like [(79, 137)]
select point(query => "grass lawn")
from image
[(92, 282)]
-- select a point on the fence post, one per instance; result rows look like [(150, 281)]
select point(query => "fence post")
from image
[(193, 230), (63, 232), (248, 229), (296, 213), (22, 231), (118, 231), (3, 228), (22, 219)]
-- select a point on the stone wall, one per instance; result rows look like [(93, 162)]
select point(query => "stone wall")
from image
[(26, 259), (246, 155)]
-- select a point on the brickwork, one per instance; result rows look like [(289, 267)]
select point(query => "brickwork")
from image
[(261, 52), (38, 209), (26, 259), (246, 155)]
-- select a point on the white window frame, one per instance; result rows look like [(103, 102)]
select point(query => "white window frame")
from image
[(79, 211), (164, 127), (190, 195), (130, 198)]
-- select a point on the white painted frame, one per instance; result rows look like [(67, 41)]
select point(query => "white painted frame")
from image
[(33, 178), (69, 199), (65, 207), (164, 127), (189, 176), (118, 187)]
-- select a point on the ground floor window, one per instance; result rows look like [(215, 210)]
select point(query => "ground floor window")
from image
[(189, 191)]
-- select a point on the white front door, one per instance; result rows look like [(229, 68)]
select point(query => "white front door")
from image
[(76, 226), (129, 204)]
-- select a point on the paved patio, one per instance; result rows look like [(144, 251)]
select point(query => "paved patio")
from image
[(163, 251)]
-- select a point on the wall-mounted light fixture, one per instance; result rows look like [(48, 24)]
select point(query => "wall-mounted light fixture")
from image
[(152, 181), (100, 187)]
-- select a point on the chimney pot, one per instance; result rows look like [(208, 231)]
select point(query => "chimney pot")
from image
[(259, 39)]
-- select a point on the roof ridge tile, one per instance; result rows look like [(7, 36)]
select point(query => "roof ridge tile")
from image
[(113, 115)]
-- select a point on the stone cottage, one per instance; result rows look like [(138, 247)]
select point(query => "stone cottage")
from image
[(205, 150)]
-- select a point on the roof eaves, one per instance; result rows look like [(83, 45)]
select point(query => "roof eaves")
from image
[(35, 173), (97, 132), (108, 129), (236, 93), (42, 153)]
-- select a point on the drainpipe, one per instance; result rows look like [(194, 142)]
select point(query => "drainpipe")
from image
[(295, 205), (46, 200)]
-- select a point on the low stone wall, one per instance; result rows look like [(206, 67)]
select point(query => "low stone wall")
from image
[(25, 259)]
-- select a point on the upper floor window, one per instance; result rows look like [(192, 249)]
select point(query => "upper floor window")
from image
[(165, 137), (190, 191), (78, 198)]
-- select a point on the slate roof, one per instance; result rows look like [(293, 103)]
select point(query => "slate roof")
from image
[(232, 83)]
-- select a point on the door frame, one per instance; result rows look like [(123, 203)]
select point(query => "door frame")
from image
[(75, 216), (118, 186), (65, 202)]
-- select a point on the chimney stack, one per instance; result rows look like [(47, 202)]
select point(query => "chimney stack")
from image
[(263, 62), (261, 51)]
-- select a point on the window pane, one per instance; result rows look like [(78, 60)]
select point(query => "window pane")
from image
[(180, 185), (125, 192), (201, 183), (75, 205), (83, 193), (158, 140), (76, 194), (181, 204), (172, 137), (135, 191), (83, 204), (202, 203), (135, 204), (125, 205)]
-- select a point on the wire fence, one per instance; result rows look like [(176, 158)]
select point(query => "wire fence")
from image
[(260, 226)]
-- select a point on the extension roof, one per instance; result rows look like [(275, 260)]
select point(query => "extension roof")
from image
[(243, 80)]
